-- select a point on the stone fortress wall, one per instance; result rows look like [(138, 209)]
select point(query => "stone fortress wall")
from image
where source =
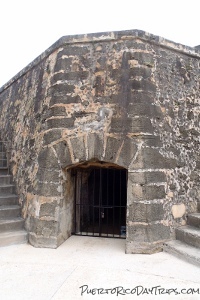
[(128, 98)]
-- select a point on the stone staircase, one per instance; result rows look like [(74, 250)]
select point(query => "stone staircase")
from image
[(11, 224), (187, 243)]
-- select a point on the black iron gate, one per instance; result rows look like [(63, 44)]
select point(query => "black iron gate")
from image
[(100, 202)]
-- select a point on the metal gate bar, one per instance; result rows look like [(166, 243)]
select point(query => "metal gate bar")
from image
[(100, 202)]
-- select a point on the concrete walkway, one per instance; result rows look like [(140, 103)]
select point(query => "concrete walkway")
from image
[(43, 274)]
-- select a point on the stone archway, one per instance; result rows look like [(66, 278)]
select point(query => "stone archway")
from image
[(51, 217), (93, 149)]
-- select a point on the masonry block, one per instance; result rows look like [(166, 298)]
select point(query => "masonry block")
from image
[(144, 58), (63, 154), (72, 50), (144, 109), (127, 153), (43, 242), (145, 212), (48, 174), (47, 159), (146, 238), (146, 177), (137, 97), (148, 192), (133, 247), (131, 125), (95, 146), (148, 232), (43, 228), (56, 111), (144, 72), (112, 148), (48, 209), (144, 85), (47, 189), (74, 76), (65, 99), (152, 158), (52, 136), (99, 86), (62, 89), (63, 64), (79, 149), (60, 123), (152, 141)]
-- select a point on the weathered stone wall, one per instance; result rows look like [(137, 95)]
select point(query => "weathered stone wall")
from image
[(178, 79), (24, 105), (165, 174), (126, 98)]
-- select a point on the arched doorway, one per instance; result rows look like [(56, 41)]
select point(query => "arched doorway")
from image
[(100, 200)]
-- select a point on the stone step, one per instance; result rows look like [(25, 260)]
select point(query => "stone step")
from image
[(9, 211), (4, 170), (5, 179), (11, 224), (183, 251), (7, 189), (8, 199), (13, 238), (194, 219), (189, 235)]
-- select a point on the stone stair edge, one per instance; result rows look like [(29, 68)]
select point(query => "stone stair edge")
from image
[(197, 215), (13, 206), (11, 220), (3, 195), (12, 225), (7, 185), (189, 229), (183, 251), (194, 213), (6, 233), (13, 238)]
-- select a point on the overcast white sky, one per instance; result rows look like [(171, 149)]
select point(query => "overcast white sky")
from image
[(28, 27)]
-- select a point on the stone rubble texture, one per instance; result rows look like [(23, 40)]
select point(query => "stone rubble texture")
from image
[(128, 98)]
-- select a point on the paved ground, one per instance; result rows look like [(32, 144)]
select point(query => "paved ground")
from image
[(43, 274)]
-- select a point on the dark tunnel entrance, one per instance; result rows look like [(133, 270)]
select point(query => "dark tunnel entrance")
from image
[(100, 201)]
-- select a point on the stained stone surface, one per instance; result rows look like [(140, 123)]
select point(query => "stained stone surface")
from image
[(127, 98)]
